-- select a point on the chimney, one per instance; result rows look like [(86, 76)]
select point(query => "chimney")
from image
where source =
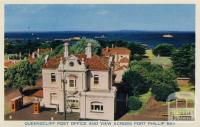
[(107, 49), (66, 53), (88, 50), (33, 55), (20, 55), (46, 58), (112, 45), (38, 51), (110, 62)]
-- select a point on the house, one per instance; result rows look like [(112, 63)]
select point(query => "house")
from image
[(80, 83), (10, 63), (121, 55), (36, 54), (121, 60)]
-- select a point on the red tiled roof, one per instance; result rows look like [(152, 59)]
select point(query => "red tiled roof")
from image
[(39, 94), (124, 60), (97, 63), (117, 50), (53, 62), (121, 68), (9, 63), (94, 63)]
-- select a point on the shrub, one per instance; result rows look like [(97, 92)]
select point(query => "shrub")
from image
[(134, 103), (163, 49)]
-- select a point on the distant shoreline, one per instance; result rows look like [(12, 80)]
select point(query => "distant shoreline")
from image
[(146, 37)]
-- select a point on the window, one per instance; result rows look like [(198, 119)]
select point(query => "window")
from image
[(53, 77), (72, 83), (73, 103), (71, 64), (96, 107), (96, 79), (53, 98)]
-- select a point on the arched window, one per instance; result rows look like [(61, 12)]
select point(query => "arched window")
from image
[(96, 106)]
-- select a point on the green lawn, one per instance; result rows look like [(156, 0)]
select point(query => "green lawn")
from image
[(6, 109), (187, 88), (161, 60), (149, 53), (144, 99), (158, 60)]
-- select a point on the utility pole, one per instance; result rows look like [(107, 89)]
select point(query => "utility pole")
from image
[(63, 80), (64, 94)]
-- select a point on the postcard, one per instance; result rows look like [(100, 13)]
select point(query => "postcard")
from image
[(99, 64)]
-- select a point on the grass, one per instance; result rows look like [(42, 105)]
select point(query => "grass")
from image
[(187, 88), (144, 99), (5, 56), (161, 60), (158, 60), (149, 53), (6, 109)]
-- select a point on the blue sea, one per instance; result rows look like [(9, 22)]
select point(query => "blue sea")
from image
[(150, 38)]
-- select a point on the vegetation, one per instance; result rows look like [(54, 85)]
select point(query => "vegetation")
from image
[(20, 75), (135, 82), (144, 99), (77, 48), (110, 43), (134, 103), (162, 61), (137, 51), (149, 54), (142, 76), (183, 60), (80, 47), (28, 46), (164, 49)]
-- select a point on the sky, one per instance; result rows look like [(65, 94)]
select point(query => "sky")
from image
[(91, 17)]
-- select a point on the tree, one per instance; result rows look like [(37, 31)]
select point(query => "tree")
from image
[(134, 103), (163, 83), (77, 48), (37, 66), (136, 48), (143, 76), (80, 47), (109, 43), (164, 49), (135, 83), (183, 61), (20, 75)]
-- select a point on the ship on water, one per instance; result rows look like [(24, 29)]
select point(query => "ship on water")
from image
[(167, 36)]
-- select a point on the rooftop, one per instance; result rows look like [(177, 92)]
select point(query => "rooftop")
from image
[(9, 63), (117, 50), (39, 94), (93, 63)]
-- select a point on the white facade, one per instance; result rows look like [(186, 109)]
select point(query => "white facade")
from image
[(87, 90)]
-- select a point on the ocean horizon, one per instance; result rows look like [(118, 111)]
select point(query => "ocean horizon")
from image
[(150, 38)]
